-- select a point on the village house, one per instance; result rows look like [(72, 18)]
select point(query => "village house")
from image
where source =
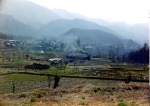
[(56, 61)]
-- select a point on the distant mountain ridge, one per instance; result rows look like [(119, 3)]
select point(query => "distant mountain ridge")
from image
[(58, 27), (138, 32), (29, 13), (98, 39), (29, 19), (93, 36), (11, 26)]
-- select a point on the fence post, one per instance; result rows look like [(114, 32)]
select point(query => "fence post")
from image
[(129, 78), (149, 94), (56, 81), (49, 81), (13, 87)]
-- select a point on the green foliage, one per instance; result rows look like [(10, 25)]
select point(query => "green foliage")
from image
[(122, 103), (63, 71), (22, 82), (39, 93), (24, 77), (33, 99), (83, 103), (18, 62), (22, 95), (83, 98)]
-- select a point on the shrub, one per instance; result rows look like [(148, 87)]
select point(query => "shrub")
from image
[(22, 95), (39, 93), (33, 99), (122, 103)]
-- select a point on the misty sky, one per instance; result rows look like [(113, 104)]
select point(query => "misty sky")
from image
[(130, 11)]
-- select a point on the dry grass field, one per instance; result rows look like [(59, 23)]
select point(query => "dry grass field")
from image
[(33, 90), (82, 93)]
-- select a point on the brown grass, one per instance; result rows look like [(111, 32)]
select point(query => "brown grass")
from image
[(82, 95)]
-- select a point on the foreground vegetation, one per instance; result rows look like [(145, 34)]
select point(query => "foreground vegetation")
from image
[(82, 93), (35, 90)]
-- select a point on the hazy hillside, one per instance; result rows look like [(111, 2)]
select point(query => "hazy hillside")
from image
[(4, 36), (24, 18), (33, 14), (67, 15), (29, 13), (59, 27), (97, 41), (93, 36), (138, 32), (11, 26)]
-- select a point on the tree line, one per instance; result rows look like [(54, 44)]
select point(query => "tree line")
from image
[(140, 56)]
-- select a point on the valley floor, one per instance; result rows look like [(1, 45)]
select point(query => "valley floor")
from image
[(32, 90)]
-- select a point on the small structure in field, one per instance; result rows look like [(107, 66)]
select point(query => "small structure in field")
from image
[(11, 43), (56, 61), (74, 56)]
